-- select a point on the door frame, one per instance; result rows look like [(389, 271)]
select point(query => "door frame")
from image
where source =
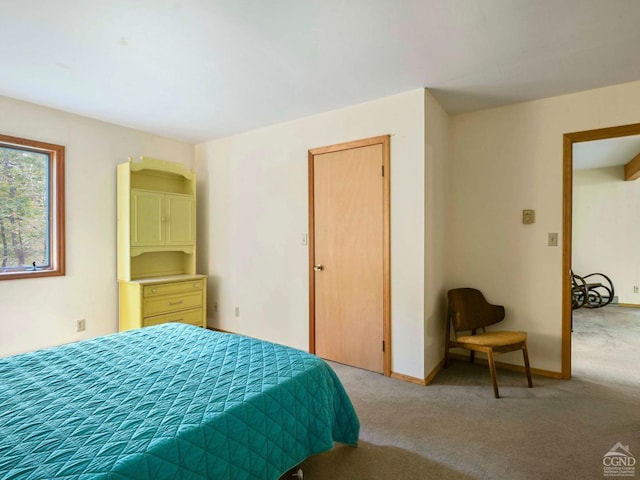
[(567, 211), (383, 140)]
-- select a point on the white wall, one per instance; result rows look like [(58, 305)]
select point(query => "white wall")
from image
[(258, 212), (40, 312), (436, 159), (505, 160), (252, 204), (606, 228)]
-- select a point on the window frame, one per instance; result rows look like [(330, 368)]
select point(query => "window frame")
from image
[(56, 212)]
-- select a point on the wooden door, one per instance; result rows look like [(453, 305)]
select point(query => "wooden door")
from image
[(349, 253)]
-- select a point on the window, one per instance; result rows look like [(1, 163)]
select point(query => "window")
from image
[(31, 208)]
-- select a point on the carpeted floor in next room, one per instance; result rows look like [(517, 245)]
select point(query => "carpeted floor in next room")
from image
[(606, 346), (456, 429)]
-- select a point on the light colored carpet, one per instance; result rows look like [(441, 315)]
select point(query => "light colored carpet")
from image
[(456, 429), (606, 346)]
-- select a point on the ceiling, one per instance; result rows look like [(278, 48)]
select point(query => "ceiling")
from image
[(196, 70), (612, 152)]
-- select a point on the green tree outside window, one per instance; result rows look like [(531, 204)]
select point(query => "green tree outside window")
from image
[(31, 208)]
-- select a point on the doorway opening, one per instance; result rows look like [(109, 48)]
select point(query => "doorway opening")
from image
[(567, 253)]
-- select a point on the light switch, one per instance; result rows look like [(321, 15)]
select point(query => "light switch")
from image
[(553, 239)]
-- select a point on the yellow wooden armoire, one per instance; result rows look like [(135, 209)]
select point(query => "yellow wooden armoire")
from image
[(157, 245)]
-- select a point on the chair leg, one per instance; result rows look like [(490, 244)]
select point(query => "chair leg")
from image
[(492, 370), (472, 354), (447, 338), (527, 368)]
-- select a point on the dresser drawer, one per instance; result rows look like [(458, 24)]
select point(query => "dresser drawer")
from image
[(192, 317), (171, 303), (173, 288), (153, 300)]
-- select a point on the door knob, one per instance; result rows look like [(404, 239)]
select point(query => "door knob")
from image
[(318, 268)]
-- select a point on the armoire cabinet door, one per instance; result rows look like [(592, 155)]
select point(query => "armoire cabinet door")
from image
[(147, 226), (180, 215), (159, 219)]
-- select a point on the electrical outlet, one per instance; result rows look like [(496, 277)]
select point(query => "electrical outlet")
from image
[(215, 307), (635, 289), (81, 325), (237, 311)]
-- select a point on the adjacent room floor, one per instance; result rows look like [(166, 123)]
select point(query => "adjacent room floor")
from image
[(606, 345)]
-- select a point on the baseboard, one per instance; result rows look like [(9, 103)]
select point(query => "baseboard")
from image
[(432, 374), (629, 305), (419, 381), (510, 366), (216, 329), (407, 378), (429, 378)]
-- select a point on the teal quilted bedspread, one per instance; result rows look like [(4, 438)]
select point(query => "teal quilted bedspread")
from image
[(168, 402)]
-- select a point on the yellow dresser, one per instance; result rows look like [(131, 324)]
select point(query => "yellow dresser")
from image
[(157, 246), (152, 301)]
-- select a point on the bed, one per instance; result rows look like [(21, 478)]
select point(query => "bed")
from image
[(168, 402)]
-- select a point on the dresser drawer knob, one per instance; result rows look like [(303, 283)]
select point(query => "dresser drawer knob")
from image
[(154, 290)]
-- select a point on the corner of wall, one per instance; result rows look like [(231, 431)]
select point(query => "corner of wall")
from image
[(436, 138), (201, 169)]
